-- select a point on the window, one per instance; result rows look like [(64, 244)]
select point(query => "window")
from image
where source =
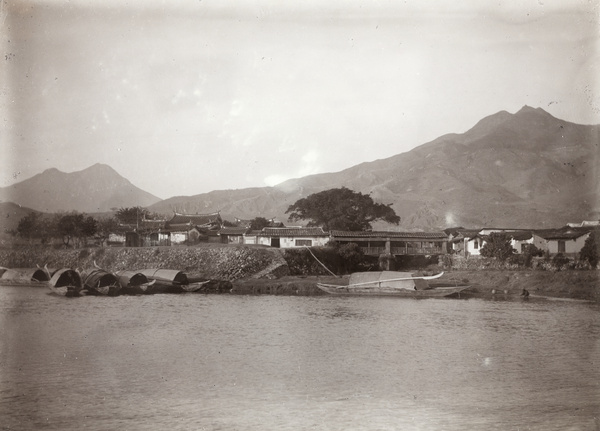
[(303, 242), (476, 244), (561, 246)]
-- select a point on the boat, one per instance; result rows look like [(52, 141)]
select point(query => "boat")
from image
[(33, 277), (391, 283), (134, 283), (172, 281), (66, 282), (100, 282)]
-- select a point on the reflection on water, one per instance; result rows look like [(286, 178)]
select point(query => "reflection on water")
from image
[(223, 362)]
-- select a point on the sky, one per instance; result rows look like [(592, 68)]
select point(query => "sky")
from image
[(186, 97)]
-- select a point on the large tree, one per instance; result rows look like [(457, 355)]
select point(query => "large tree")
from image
[(497, 245), (29, 226), (76, 226), (341, 209)]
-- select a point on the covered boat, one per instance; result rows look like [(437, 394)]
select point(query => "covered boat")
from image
[(25, 276), (172, 281), (134, 283), (391, 283), (100, 282), (66, 282)]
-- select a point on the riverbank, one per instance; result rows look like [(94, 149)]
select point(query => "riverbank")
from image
[(579, 285), (263, 270)]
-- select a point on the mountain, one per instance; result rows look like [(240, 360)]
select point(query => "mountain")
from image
[(522, 170), (95, 189)]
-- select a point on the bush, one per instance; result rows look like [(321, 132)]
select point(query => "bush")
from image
[(591, 249), (560, 261)]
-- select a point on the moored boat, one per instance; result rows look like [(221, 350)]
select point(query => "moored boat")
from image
[(66, 282), (25, 276), (135, 283), (172, 281), (391, 283), (101, 283)]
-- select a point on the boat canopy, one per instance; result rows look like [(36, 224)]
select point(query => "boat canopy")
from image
[(26, 274), (168, 275), (66, 277)]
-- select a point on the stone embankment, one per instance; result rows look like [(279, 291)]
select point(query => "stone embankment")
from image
[(209, 262)]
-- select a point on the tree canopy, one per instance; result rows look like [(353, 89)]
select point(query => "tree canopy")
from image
[(497, 245), (591, 249), (258, 223), (131, 215), (341, 209)]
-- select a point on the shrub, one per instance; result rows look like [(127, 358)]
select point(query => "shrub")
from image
[(560, 261), (591, 249)]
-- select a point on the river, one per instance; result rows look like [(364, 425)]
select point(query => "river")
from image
[(226, 362)]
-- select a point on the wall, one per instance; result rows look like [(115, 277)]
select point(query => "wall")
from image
[(572, 247)]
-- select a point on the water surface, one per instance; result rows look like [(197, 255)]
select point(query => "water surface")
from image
[(226, 362)]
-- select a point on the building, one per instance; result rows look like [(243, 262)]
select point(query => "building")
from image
[(291, 237), (466, 242), (397, 243), (233, 235), (192, 228), (568, 241)]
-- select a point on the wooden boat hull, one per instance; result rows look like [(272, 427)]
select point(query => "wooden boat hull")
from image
[(437, 292), (390, 283)]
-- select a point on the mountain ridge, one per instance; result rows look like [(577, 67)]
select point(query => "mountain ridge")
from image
[(520, 170), (508, 170), (97, 188)]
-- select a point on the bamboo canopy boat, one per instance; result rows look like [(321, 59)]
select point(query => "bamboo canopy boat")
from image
[(172, 281), (391, 283), (134, 283), (25, 276), (67, 282), (100, 282)]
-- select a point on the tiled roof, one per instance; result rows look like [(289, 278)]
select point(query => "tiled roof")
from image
[(293, 231), (520, 236), (379, 234), (561, 234), (233, 230), (194, 219)]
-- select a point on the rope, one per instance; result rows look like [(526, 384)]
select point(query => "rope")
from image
[(310, 251)]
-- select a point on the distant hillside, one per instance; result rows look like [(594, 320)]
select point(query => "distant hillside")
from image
[(95, 189), (10, 215), (527, 169)]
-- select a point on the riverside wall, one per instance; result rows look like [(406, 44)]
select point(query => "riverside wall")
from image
[(221, 263)]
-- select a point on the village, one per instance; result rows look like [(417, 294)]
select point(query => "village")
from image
[(189, 229)]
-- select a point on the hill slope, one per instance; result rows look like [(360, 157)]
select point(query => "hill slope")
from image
[(527, 169), (95, 189)]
